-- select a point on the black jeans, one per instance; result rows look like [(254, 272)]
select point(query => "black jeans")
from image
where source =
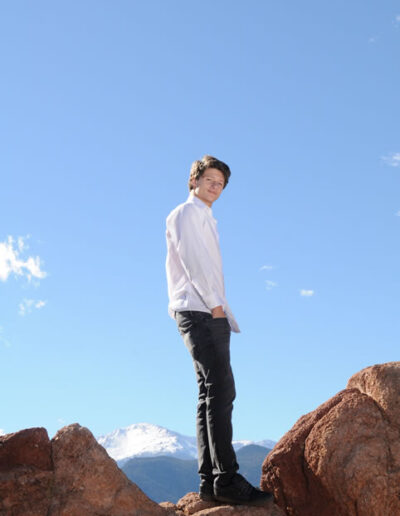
[(208, 341)]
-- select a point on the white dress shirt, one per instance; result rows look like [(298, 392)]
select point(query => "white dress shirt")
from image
[(194, 265)]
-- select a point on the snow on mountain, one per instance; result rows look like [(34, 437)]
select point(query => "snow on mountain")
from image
[(266, 443), (147, 440)]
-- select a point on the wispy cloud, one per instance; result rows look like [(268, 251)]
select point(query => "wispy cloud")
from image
[(2, 432), (27, 305), (12, 263), (306, 293), (393, 160), (267, 268), (398, 18), (269, 285)]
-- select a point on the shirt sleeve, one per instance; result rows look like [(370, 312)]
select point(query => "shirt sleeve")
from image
[(195, 256)]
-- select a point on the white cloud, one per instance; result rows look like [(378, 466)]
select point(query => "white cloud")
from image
[(266, 268), (22, 244), (398, 213), (11, 262), (27, 305), (398, 18), (392, 160), (2, 432), (306, 293), (269, 285)]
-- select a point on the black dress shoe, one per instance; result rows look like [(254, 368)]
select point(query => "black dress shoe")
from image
[(241, 492), (206, 491)]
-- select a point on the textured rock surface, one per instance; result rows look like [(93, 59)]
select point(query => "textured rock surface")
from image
[(72, 475), (26, 477), (191, 504), (89, 482), (344, 457)]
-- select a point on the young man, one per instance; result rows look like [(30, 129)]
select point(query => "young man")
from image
[(197, 302)]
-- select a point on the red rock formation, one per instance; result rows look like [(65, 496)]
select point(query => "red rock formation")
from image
[(70, 476), (344, 457), (89, 482), (26, 476)]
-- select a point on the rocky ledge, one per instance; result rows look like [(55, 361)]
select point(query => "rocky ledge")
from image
[(342, 459), (191, 504)]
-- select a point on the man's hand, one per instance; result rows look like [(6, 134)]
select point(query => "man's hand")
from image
[(218, 312)]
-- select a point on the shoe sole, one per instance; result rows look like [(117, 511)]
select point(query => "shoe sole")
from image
[(207, 498), (254, 503)]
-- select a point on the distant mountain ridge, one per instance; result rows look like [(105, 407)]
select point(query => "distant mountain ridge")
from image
[(168, 478), (148, 440)]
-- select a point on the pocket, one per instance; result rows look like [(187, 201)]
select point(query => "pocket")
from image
[(218, 320), (219, 325), (184, 323)]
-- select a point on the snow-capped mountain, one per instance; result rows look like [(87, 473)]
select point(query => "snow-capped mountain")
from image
[(266, 443), (147, 440)]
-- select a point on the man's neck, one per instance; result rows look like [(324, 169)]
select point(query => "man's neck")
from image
[(209, 204)]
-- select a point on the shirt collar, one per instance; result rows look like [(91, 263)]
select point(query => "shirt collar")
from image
[(192, 198)]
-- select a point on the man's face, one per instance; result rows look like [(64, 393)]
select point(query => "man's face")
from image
[(210, 185)]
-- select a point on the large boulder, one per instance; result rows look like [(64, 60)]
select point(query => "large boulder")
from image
[(72, 475), (89, 482), (343, 459)]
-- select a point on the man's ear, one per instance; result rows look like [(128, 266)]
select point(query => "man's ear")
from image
[(193, 183)]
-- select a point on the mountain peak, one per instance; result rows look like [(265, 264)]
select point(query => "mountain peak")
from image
[(149, 440)]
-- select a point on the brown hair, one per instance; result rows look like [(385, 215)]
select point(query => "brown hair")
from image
[(200, 166)]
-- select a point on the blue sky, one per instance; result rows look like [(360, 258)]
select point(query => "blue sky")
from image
[(104, 106)]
